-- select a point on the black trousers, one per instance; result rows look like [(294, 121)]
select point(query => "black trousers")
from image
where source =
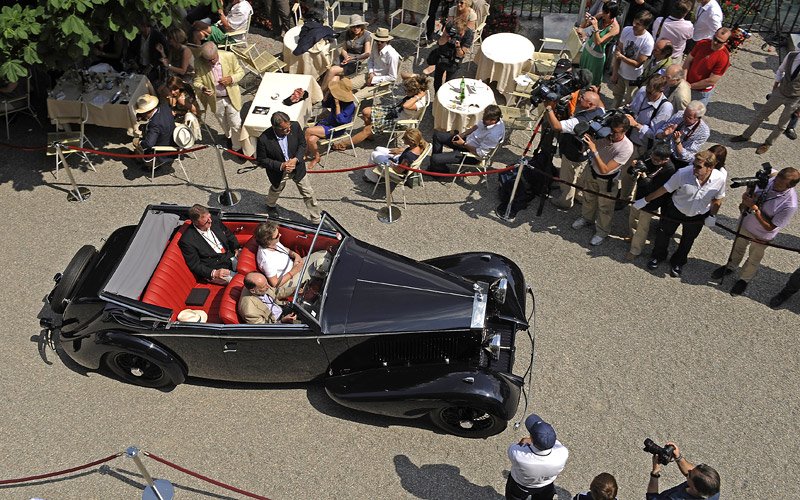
[(671, 219), (515, 491), (793, 285), (440, 160)]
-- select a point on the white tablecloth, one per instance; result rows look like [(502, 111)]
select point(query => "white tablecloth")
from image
[(448, 114), (314, 62), (274, 88), (503, 56), (67, 98)]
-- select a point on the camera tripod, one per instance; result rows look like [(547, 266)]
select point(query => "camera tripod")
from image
[(523, 163)]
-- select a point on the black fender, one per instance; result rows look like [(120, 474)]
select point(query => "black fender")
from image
[(413, 391), (109, 341)]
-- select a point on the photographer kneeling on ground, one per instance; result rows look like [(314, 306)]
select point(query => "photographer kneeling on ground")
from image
[(606, 159), (702, 481), (573, 150)]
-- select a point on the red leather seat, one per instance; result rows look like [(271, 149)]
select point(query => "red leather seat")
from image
[(246, 263), (230, 299)]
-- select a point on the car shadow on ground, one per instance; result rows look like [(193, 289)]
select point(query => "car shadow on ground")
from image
[(435, 481)]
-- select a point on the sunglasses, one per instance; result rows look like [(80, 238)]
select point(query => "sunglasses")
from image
[(717, 40)]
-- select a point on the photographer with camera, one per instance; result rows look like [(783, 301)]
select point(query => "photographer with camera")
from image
[(536, 462), (702, 481), (634, 47), (573, 150), (445, 59), (697, 194), (766, 211), (650, 173), (606, 158), (685, 133)]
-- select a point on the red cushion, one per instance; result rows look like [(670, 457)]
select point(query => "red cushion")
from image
[(230, 299), (246, 262)]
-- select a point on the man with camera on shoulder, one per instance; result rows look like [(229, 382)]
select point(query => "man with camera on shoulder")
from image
[(702, 481), (573, 150)]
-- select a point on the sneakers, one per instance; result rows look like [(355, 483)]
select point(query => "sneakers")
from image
[(739, 138), (762, 149), (721, 272), (779, 299), (738, 288), (597, 240), (653, 264), (790, 133), (675, 271), (579, 223)]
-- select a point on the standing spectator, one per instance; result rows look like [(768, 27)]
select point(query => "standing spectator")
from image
[(603, 487), (375, 8), (463, 10), (216, 82), (606, 159), (678, 89), (786, 93), (702, 481), (698, 192), (766, 212), (706, 64), (144, 52), (357, 47), (675, 28), (634, 47), (478, 140), (280, 150), (791, 288), (790, 132), (341, 110), (605, 28), (445, 59), (536, 461), (178, 60), (707, 20), (685, 133), (638, 6), (279, 13), (384, 61), (657, 63), (236, 19), (571, 147)]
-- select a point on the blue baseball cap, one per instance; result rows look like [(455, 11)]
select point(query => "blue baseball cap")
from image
[(543, 435)]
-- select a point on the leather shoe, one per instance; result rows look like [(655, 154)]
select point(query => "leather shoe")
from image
[(653, 264), (597, 240), (762, 149), (779, 299), (630, 257), (675, 271), (739, 138), (720, 272), (272, 211), (790, 133), (738, 288)]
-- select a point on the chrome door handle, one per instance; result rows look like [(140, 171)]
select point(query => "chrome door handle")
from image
[(229, 347)]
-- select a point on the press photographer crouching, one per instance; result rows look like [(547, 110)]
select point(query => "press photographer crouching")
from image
[(445, 59), (650, 173), (702, 481)]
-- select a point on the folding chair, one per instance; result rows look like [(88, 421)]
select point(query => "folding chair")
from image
[(347, 130), (406, 31), (18, 101), (334, 17), (183, 138), (544, 63), (297, 12), (404, 175), (402, 125), (64, 121), (238, 37), (65, 138), (257, 63), (484, 162)]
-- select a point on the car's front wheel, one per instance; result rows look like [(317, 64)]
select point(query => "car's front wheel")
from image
[(138, 369), (467, 421)]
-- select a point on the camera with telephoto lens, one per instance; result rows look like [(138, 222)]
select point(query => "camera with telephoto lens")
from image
[(665, 454), (447, 52), (638, 167), (759, 180), (599, 127), (555, 89)]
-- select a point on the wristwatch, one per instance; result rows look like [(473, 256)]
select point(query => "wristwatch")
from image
[(655, 474)]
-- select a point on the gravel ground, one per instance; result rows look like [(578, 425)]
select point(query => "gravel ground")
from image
[(622, 353)]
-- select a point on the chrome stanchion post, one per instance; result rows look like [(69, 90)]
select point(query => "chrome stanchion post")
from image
[(228, 198), (389, 213), (523, 162), (77, 193), (159, 489)]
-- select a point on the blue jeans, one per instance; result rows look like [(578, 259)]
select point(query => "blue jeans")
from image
[(702, 96)]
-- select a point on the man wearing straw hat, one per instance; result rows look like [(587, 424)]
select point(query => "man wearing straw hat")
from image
[(341, 110), (159, 126), (384, 60)]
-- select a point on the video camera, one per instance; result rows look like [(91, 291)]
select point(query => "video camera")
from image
[(665, 454), (598, 127), (555, 89), (759, 180)]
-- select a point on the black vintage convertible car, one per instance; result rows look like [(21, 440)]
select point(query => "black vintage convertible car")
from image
[(384, 333)]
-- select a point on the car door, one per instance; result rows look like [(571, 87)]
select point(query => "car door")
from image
[(273, 353)]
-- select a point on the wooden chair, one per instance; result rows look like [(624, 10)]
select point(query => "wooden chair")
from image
[(18, 101), (415, 33), (79, 137), (65, 138), (402, 176)]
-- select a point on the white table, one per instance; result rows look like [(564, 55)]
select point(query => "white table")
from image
[(274, 88), (449, 114), (503, 56), (314, 62)]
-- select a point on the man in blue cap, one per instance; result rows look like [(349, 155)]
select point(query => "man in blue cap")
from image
[(536, 461)]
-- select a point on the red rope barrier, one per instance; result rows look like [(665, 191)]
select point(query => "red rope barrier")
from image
[(466, 174), (126, 155), (23, 148), (333, 171), (61, 472), (202, 477)]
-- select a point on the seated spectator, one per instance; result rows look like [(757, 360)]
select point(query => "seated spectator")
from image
[(160, 123), (209, 248), (384, 61), (415, 145), (382, 118), (236, 19), (178, 59), (675, 28), (257, 303), (463, 10), (478, 140), (341, 110), (603, 487), (110, 51), (180, 96), (685, 133), (445, 59), (356, 47)]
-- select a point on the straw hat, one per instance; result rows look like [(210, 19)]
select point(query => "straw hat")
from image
[(356, 20), (382, 35), (146, 103), (342, 89), (192, 316)]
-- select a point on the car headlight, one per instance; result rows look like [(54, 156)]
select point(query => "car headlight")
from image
[(499, 290)]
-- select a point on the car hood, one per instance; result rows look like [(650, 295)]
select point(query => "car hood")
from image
[(372, 290)]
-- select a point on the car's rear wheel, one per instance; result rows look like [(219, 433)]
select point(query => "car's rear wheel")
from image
[(66, 285), (467, 421), (138, 369)]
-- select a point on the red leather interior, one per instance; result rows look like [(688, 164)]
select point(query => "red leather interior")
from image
[(230, 300)]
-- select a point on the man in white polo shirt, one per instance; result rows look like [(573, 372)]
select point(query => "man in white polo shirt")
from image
[(707, 20), (697, 193), (536, 461)]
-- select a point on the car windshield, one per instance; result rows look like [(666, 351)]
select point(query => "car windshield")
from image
[(319, 263)]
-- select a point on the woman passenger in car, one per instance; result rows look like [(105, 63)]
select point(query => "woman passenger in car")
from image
[(279, 264)]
